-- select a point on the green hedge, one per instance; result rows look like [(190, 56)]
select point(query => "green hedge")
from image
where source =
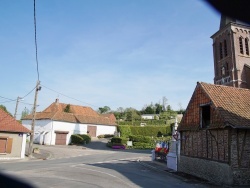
[(140, 138), (149, 122), (80, 139), (119, 140), (126, 130)]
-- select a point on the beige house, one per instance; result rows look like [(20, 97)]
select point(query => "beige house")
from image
[(12, 137)]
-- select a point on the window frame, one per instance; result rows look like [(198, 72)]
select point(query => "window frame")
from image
[(241, 45), (205, 123)]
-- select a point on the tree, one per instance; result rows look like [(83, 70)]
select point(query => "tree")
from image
[(158, 108), (104, 110), (5, 109), (67, 108), (25, 112)]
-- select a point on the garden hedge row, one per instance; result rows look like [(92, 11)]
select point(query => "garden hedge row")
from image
[(126, 130)]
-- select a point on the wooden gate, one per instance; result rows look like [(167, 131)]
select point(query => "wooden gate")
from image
[(3, 142), (61, 137), (91, 131)]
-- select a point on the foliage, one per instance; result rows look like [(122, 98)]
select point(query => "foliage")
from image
[(140, 138), (80, 139), (5, 109), (105, 136), (169, 114), (126, 131), (67, 108), (25, 112), (141, 145), (119, 140), (76, 139), (86, 138), (104, 110)]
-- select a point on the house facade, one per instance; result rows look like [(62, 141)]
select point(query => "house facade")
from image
[(12, 137), (215, 135), (55, 125)]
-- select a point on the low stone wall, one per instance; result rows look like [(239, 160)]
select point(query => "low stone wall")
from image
[(215, 172), (241, 176)]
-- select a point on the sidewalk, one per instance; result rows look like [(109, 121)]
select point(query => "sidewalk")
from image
[(160, 165)]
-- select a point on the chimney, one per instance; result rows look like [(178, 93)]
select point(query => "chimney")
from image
[(57, 101)]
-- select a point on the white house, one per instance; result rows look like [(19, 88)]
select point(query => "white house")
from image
[(12, 137), (150, 116), (56, 124)]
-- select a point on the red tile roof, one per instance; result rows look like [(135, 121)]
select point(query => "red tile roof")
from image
[(230, 107), (9, 124), (77, 114), (233, 104)]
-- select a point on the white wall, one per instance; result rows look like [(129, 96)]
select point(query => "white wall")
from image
[(23, 145), (44, 132), (105, 129), (73, 128)]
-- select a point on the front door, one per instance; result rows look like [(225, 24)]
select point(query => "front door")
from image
[(92, 131)]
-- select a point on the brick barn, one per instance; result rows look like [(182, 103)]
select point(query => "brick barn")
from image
[(215, 135)]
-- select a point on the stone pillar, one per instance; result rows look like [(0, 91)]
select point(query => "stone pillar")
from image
[(172, 157)]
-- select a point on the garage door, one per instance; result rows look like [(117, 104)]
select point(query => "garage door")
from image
[(61, 138), (3, 142), (92, 131)]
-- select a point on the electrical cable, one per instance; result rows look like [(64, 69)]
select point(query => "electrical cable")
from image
[(68, 96), (28, 93), (8, 99)]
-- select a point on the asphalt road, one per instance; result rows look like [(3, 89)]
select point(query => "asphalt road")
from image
[(93, 168)]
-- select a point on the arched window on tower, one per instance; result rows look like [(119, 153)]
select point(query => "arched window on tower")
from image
[(246, 46), (225, 48), (221, 54), (241, 45)]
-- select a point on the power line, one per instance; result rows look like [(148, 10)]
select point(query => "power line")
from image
[(28, 93), (7, 99), (35, 39), (68, 96)]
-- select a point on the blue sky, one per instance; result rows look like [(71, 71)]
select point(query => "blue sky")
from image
[(118, 53)]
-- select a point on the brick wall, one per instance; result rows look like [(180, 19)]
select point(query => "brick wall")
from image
[(207, 144)]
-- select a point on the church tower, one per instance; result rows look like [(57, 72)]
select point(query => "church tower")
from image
[(231, 53)]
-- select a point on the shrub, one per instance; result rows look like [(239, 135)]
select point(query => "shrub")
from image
[(80, 139), (105, 136), (124, 130), (141, 145), (76, 139), (86, 138), (119, 140), (140, 138)]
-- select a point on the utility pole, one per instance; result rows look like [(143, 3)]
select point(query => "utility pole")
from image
[(38, 88), (17, 101)]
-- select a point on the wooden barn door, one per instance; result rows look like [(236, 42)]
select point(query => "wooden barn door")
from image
[(91, 131), (61, 138)]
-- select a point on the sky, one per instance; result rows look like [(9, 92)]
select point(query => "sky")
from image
[(116, 53)]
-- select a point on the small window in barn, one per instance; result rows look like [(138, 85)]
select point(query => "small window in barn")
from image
[(205, 116)]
